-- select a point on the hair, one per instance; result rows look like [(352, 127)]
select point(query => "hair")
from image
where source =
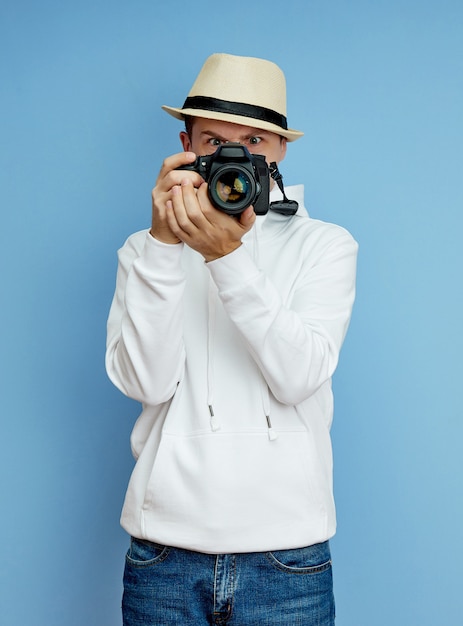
[(189, 125)]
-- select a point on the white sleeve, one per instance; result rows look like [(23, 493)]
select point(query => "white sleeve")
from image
[(145, 353), (296, 344)]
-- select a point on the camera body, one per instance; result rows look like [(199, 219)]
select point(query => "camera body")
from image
[(235, 178)]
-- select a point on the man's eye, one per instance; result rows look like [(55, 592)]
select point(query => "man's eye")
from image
[(254, 140), (213, 141)]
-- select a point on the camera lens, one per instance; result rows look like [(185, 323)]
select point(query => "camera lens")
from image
[(232, 189)]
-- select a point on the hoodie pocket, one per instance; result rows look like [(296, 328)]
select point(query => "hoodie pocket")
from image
[(240, 486)]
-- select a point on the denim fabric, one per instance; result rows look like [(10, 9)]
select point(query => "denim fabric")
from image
[(164, 586)]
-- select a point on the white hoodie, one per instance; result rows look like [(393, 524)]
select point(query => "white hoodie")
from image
[(232, 362)]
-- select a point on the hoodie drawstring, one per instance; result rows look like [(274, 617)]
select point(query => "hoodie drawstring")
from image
[(272, 435), (215, 424)]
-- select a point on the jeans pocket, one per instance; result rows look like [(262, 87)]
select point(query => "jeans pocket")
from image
[(143, 553), (309, 560)]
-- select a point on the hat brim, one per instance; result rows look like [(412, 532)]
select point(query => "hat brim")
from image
[(180, 114)]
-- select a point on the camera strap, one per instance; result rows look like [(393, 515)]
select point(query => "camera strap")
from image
[(285, 206)]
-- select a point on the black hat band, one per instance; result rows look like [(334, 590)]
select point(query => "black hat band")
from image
[(236, 108)]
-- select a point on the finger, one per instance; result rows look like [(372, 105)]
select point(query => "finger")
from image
[(174, 161), (193, 202), (171, 216), (209, 211), (169, 175), (184, 207), (247, 218)]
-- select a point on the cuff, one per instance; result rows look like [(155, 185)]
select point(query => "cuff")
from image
[(233, 270)]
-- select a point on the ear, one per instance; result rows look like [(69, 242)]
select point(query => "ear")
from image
[(284, 145), (185, 139)]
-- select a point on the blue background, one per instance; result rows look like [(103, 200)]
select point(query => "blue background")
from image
[(377, 87)]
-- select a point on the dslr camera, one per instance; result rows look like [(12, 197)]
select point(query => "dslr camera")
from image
[(235, 178)]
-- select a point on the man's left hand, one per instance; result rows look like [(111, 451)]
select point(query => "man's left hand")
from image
[(195, 221)]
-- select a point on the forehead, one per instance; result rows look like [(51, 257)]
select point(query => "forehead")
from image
[(226, 129)]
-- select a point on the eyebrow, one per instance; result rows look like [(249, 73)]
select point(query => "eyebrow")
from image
[(252, 133)]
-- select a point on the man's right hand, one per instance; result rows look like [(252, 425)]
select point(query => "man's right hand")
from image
[(168, 178)]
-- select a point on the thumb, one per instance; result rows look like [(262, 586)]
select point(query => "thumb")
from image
[(247, 219)]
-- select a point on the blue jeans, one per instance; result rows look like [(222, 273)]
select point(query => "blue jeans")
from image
[(164, 586)]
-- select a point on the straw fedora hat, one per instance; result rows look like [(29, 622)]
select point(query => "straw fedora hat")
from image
[(242, 90)]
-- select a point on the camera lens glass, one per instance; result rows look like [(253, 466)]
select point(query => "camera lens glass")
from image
[(232, 189)]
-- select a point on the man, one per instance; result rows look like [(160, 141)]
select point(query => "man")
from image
[(228, 329)]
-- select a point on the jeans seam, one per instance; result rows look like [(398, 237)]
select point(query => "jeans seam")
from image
[(311, 569), (151, 562)]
